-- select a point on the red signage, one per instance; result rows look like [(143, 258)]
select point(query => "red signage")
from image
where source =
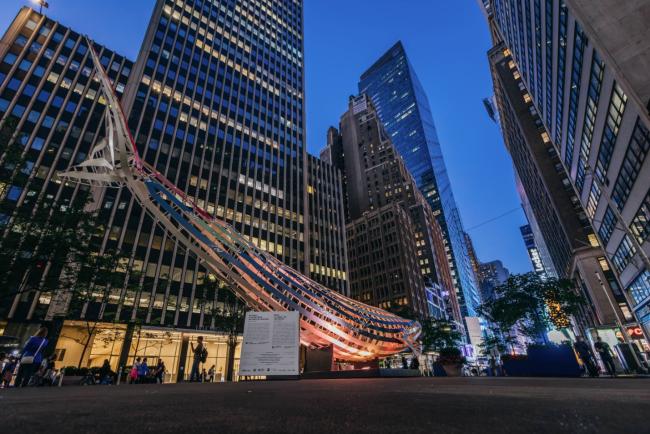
[(635, 332)]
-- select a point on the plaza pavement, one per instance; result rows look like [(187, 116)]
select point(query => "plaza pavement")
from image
[(397, 405)]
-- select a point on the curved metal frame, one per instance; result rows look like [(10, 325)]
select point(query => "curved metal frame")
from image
[(358, 332)]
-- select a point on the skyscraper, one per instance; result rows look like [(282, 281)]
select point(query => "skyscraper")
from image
[(328, 255), (51, 106), (571, 79), (215, 103), (395, 243), (404, 109)]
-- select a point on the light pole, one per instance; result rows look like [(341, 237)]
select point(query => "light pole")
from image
[(42, 4)]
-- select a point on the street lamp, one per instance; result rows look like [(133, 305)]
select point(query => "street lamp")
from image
[(41, 4)]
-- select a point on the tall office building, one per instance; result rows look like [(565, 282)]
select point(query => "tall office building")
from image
[(491, 274), (215, 103), (572, 84), (388, 268), (404, 110), (52, 107), (328, 253)]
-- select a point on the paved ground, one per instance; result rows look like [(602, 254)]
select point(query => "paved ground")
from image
[(407, 405)]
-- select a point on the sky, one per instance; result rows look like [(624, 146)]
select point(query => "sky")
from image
[(446, 42)]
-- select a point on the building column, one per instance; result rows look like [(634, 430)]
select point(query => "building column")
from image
[(180, 372), (230, 361), (126, 346)]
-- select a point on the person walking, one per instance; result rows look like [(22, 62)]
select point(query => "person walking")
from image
[(160, 371), (586, 355), (200, 355), (133, 375), (8, 372), (606, 355), (106, 373), (211, 373), (143, 371), (31, 357)]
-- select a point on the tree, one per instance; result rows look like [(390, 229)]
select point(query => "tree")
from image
[(496, 342), (534, 303), (438, 334), (228, 315), (90, 279), (39, 241)]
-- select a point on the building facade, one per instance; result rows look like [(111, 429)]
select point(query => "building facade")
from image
[(533, 251), (577, 72), (403, 108), (375, 177), (491, 275), (327, 241), (51, 106), (215, 102)]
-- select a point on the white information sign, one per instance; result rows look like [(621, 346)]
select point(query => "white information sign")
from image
[(271, 344)]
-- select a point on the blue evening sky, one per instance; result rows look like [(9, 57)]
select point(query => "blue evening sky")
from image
[(446, 42)]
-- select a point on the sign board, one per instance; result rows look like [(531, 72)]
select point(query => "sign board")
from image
[(635, 332), (271, 344)]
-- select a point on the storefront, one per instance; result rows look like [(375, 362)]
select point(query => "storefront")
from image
[(88, 345)]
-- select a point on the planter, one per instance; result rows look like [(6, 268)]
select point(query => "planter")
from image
[(453, 370), (71, 380)]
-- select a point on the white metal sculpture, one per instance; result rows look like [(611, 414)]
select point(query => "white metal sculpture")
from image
[(357, 331)]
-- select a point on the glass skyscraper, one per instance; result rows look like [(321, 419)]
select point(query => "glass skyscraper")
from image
[(215, 103), (404, 110)]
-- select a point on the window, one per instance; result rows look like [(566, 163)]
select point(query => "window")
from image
[(14, 193), (607, 226), (640, 225), (639, 289), (615, 112), (37, 144), (636, 152), (29, 90), (48, 122), (623, 254), (18, 110), (13, 84), (31, 24), (33, 116)]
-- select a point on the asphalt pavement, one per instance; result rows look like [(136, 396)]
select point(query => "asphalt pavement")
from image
[(395, 405)]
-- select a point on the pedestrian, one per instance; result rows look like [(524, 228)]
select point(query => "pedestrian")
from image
[(200, 355), (211, 372), (143, 371), (586, 356), (8, 371), (160, 371), (133, 375), (606, 355), (404, 363), (31, 357), (415, 363), (204, 376), (106, 373)]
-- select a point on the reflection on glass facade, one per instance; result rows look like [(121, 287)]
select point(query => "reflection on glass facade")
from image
[(215, 103), (404, 110)]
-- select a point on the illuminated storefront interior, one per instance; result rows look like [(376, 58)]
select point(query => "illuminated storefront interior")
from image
[(107, 341)]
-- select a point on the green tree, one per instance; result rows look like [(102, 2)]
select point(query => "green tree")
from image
[(227, 315), (534, 303), (438, 334)]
